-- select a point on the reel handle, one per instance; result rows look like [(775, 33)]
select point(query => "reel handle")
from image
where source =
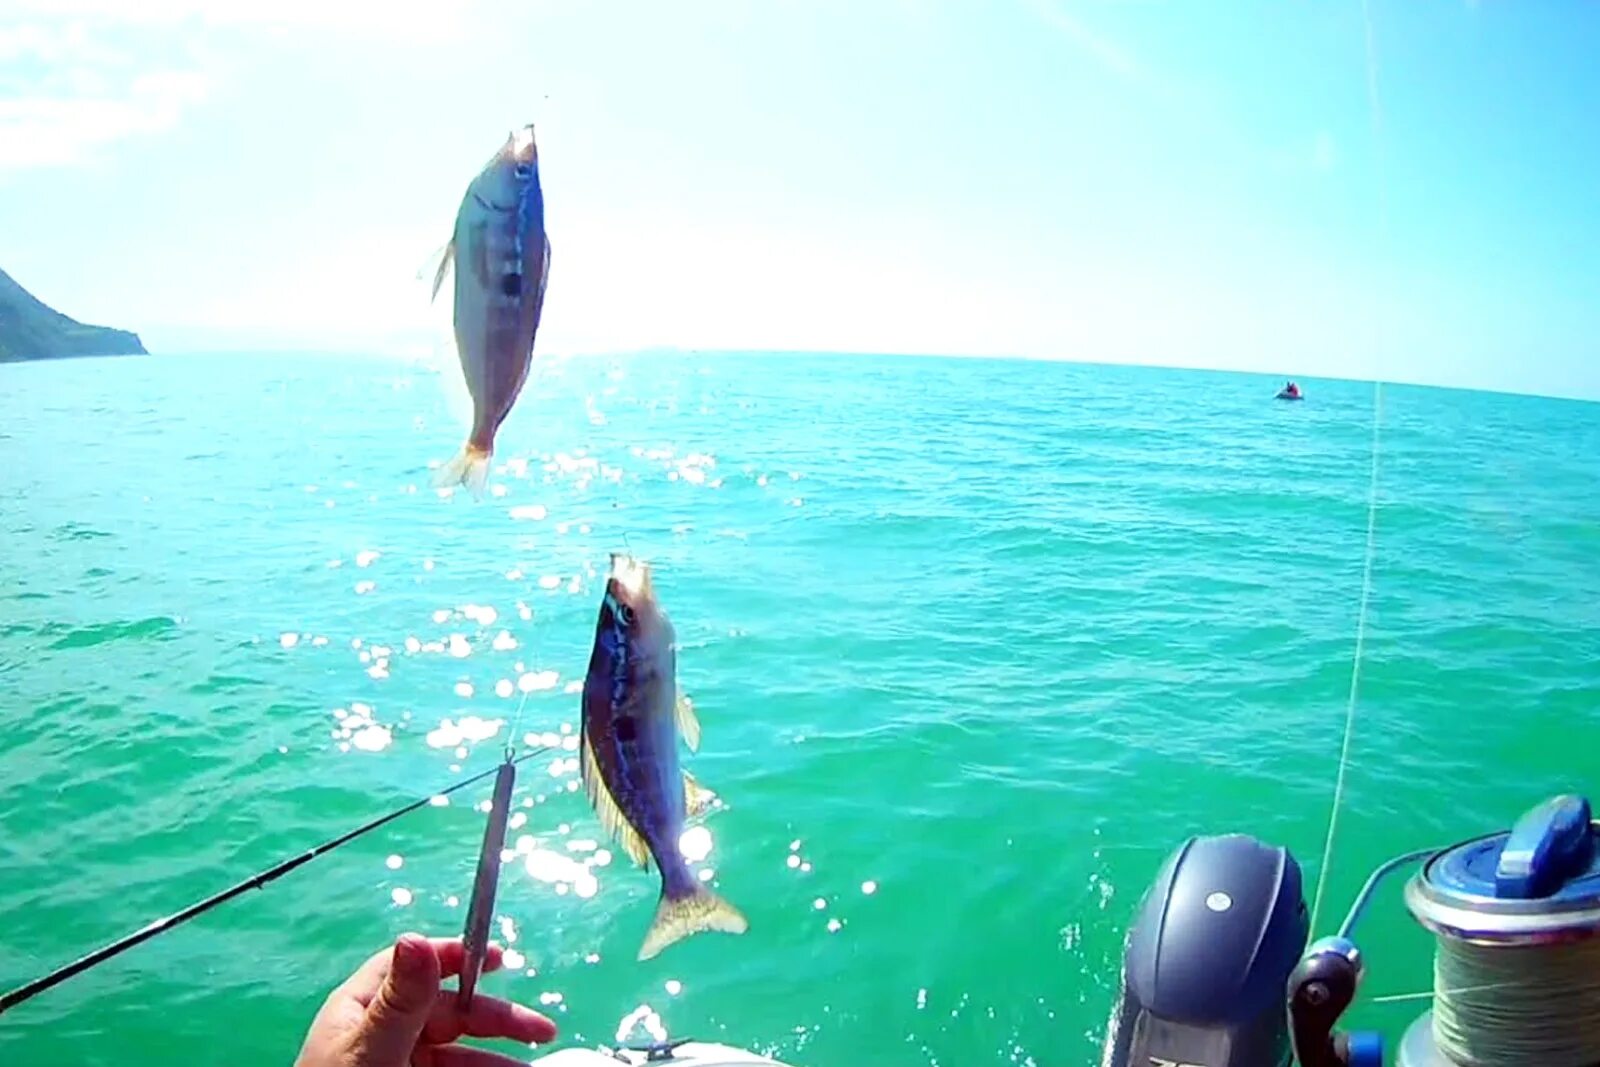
[(1320, 989)]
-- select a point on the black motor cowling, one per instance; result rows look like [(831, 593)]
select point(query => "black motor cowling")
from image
[(1208, 957)]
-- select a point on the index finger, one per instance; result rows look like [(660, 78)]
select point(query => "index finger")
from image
[(488, 1017), (449, 950)]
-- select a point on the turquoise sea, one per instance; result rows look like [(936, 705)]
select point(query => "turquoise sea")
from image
[(986, 638)]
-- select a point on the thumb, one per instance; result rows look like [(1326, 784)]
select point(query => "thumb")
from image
[(399, 1011)]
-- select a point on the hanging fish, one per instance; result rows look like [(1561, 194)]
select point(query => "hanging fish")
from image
[(502, 261), (632, 719)]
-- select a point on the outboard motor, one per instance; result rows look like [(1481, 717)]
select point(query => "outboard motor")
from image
[(1208, 959)]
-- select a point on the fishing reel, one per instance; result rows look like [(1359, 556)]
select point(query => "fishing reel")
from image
[(1536, 884), (1321, 988)]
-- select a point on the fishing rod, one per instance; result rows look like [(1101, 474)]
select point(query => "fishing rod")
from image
[(255, 881)]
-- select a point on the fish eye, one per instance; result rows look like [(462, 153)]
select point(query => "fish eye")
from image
[(625, 614), (523, 170)]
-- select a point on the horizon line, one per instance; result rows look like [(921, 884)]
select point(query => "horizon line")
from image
[(413, 356)]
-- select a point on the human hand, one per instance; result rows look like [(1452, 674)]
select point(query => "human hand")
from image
[(392, 1013)]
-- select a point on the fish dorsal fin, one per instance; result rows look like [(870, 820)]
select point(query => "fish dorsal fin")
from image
[(688, 723), (605, 806), (696, 797)]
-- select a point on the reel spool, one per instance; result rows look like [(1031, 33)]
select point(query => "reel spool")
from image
[(1517, 961)]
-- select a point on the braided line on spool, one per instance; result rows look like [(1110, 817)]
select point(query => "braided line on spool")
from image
[(1517, 1005)]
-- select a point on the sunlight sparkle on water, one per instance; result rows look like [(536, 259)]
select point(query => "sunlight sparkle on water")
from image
[(537, 680), (529, 512), (459, 646), (464, 689), (373, 738), (503, 688), (644, 1016), (673, 987), (365, 587), (514, 959), (481, 614), (394, 862), (695, 843), (504, 642), (366, 557), (288, 640), (547, 866), (401, 896)]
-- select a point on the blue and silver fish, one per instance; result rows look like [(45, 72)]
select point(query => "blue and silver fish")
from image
[(502, 259), (633, 717)]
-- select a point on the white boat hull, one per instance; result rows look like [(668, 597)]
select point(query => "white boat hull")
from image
[(688, 1054)]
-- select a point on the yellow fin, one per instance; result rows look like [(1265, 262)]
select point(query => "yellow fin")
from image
[(605, 806), (468, 467), (688, 724), (696, 797), (677, 919)]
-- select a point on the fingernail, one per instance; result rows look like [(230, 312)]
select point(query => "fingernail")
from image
[(408, 950)]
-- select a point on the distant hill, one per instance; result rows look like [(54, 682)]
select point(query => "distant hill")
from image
[(29, 329)]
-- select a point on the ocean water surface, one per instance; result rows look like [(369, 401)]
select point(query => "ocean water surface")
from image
[(974, 645)]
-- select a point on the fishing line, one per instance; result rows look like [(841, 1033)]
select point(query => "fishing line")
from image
[(1375, 109), (255, 881), (1355, 668)]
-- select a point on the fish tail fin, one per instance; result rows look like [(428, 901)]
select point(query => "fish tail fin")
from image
[(679, 917), (469, 467)]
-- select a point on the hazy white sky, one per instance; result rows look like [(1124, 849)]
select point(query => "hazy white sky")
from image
[(1202, 184)]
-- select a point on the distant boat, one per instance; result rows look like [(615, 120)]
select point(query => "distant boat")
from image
[(1291, 391)]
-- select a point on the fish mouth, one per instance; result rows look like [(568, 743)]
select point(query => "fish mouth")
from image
[(632, 576), (520, 146)]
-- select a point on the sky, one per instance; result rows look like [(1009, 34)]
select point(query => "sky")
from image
[(1403, 190)]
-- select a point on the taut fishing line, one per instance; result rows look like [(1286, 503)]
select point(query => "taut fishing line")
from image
[(1494, 1005)]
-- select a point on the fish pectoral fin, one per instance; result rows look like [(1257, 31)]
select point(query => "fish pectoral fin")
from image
[(445, 254), (605, 806), (688, 723), (696, 797)]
